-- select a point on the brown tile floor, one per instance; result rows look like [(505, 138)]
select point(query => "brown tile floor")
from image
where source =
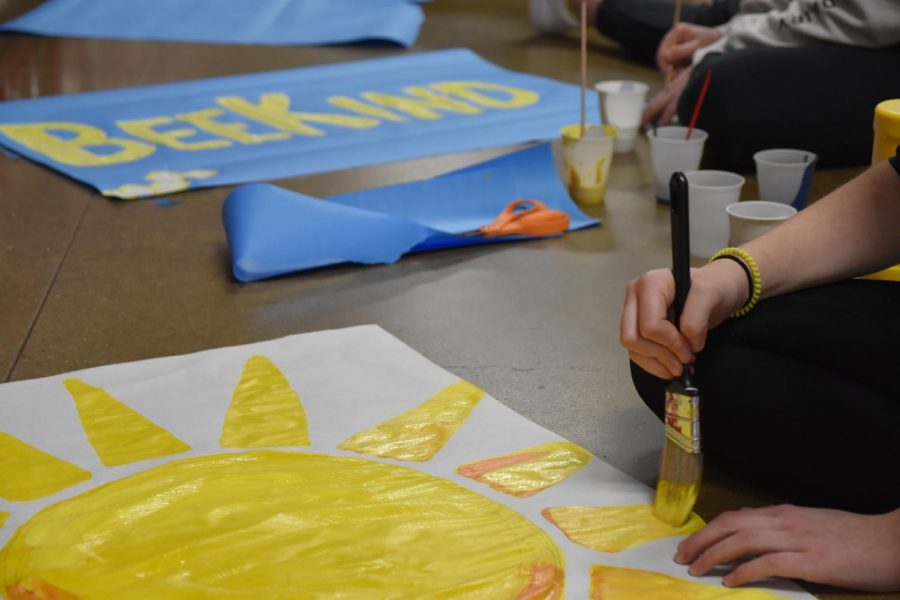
[(88, 281)]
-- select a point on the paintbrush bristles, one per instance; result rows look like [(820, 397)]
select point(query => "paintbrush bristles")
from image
[(678, 485)]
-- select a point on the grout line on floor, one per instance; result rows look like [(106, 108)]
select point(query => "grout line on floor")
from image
[(40, 308)]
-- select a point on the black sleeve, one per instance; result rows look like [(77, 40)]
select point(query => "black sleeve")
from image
[(895, 161)]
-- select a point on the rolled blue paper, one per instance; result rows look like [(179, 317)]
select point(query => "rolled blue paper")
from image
[(270, 22), (162, 139), (272, 231)]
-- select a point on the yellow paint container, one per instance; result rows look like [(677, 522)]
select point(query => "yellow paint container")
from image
[(884, 145), (586, 161)]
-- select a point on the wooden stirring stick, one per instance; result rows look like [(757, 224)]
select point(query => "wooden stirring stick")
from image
[(670, 71), (583, 65)]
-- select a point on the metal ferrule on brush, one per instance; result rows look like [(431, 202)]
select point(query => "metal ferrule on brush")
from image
[(683, 413)]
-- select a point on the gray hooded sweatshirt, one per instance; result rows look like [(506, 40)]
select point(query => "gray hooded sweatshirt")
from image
[(786, 23)]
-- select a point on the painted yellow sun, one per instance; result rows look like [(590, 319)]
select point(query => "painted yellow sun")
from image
[(268, 517)]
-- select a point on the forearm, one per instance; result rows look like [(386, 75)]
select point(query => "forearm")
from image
[(851, 232)]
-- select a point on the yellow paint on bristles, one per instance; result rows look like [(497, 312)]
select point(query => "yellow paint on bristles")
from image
[(29, 474), (620, 583), (265, 410), (529, 471), (119, 434), (3, 517), (615, 528), (418, 434)]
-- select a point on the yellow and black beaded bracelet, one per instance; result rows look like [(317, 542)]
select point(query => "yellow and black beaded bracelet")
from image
[(751, 269)]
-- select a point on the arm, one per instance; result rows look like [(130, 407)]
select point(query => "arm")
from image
[(850, 232), (859, 23), (853, 231)]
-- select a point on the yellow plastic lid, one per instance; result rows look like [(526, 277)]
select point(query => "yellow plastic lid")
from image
[(887, 118)]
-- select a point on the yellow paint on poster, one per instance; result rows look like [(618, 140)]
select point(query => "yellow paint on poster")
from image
[(472, 91), (237, 131), (619, 583), (422, 103), (265, 410), (349, 103), (27, 473), (270, 525), (615, 528), (418, 434), (173, 138), (75, 148), (160, 182), (274, 110), (119, 434), (529, 471)]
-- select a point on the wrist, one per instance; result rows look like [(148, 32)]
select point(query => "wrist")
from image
[(731, 281)]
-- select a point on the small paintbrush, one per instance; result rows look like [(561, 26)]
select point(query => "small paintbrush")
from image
[(682, 463)]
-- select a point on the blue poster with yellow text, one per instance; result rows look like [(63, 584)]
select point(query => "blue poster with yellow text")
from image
[(269, 22), (160, 139)]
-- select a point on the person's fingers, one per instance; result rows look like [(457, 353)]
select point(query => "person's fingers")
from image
[(722, 527), (695, 316), (743, 544), (669, 111), (662, 60), (681, 55), (777, 564), (651, 365), (654, 326), (654, 108), (633, 340)]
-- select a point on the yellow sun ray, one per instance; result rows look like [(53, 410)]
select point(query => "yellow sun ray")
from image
[(529, 471), (119, 434), (265, 410), (30, 474), (620, 583), (418, 434), (615, 528), (271, 524)]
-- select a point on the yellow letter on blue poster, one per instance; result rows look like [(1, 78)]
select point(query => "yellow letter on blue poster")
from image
[(73, 149)]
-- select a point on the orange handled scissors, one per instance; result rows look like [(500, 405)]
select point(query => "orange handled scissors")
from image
[(525, 217)]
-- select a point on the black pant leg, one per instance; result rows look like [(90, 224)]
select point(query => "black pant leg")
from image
[(820, 98), (800, 397), (639, 25)]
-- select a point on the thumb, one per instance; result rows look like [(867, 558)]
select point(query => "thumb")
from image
[(695, 318)]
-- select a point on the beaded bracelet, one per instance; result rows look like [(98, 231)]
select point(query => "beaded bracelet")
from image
[(751, 269)]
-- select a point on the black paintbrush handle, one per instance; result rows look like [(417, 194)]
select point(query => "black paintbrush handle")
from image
[(681, 241)]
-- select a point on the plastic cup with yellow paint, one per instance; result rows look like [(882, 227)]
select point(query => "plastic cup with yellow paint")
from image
[(586, 161)]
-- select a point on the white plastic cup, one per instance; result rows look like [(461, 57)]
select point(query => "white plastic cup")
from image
[(670, 152), (585, 161), (709, 193), (621, 105), (750, 219), (785, 175)]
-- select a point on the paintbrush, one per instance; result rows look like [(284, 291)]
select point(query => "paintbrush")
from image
[(699, 104), (682, 464)]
